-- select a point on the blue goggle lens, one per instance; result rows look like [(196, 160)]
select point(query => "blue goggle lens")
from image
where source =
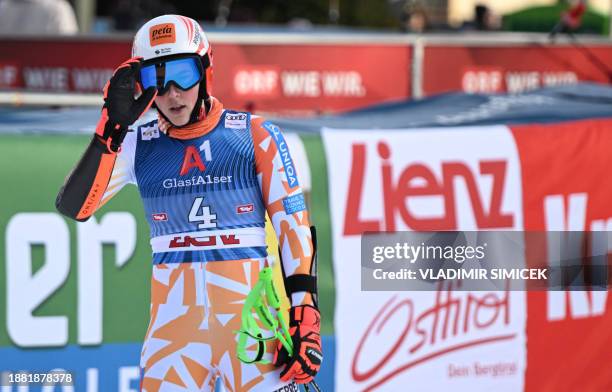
[(184, 73)]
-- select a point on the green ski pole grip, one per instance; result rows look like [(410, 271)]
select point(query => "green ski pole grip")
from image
[(261, 296)]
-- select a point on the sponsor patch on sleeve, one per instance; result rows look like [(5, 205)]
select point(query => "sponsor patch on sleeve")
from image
[(283, 151), (295, 203)]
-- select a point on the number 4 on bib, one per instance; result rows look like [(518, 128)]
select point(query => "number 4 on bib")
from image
[(201, 213)]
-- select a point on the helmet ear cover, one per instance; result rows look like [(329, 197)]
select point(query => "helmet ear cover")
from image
[(206, 68)]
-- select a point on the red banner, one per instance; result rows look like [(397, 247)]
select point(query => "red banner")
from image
[(514, 69), (308, 78), (532, 178), (564, 170)]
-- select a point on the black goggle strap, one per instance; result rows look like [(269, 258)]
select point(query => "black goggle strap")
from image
[(160, 77)]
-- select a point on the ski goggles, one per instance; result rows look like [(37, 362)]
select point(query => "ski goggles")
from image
[(183, 73)]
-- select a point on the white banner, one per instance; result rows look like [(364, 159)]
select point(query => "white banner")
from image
[(425, 179)]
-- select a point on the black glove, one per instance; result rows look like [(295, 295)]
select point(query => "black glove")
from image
[(120, 109)]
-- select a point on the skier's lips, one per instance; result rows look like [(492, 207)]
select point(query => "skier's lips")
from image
[(177, 109)]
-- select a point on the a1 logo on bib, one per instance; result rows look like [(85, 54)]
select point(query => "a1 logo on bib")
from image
[(192, 158)]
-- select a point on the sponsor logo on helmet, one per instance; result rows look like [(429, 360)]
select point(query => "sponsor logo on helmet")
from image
[(163, 51), (162, 34), (196, 34)]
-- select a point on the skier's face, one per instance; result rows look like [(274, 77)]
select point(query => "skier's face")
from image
[(178, 104)]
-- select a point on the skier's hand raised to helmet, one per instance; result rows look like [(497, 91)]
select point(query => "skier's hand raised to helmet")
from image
[(121, 109)]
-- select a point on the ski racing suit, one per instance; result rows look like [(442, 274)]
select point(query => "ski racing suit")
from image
[(206, 194)]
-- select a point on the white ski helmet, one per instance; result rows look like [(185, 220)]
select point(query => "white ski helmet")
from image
[(169, 35), (172, 35)]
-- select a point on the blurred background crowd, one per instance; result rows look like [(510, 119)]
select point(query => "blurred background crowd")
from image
[(413, 16)]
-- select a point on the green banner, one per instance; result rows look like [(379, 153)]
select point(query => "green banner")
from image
[(54, 264)]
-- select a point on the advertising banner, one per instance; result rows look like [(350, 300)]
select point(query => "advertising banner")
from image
[(531, 177), (313, 77), (513, 68), (425, 179), (297, 77), (569, 332), (74, 297)]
